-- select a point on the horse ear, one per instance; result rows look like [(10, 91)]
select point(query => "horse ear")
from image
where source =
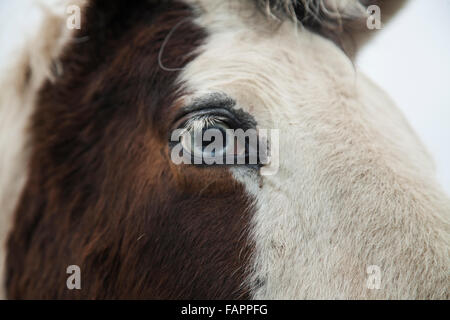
[(35, 58), (375, 15)]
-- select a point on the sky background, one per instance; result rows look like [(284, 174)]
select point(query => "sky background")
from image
[(409, 58)]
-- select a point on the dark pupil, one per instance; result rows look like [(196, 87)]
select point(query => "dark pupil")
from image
[(199, 144)]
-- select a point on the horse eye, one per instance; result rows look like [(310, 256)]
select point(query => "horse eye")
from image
[(210, 141)]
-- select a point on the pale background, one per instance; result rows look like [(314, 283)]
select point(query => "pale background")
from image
[(410, 59)]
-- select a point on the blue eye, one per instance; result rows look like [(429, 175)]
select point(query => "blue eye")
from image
[(210, 141)]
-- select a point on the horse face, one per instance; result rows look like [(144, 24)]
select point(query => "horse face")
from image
[(104, 193)]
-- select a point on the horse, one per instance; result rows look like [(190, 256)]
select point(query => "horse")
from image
[(352, 211)]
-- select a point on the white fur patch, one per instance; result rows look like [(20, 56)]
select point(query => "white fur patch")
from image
[(355, 187)]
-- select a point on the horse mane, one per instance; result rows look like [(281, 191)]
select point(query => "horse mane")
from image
[(342, 21), (327, 13)]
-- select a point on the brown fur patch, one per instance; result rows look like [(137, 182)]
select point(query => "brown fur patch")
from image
[(102, 192)]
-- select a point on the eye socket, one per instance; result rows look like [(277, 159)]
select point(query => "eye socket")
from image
[(207, 135)]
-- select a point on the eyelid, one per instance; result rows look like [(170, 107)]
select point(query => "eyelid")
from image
[(202, 122), (219, 114)]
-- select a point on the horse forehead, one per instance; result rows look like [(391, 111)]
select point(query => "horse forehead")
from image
[(265, 64)]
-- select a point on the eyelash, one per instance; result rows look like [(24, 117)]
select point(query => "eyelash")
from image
[(205, 121)]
